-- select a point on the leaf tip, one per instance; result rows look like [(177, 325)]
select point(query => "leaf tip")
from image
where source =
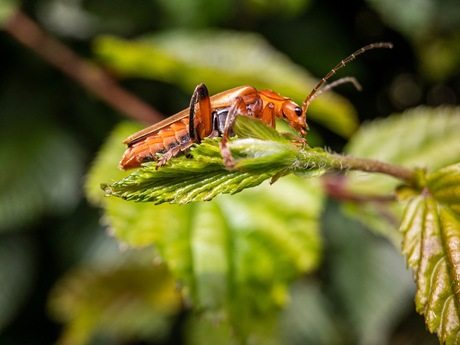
[(107, 189)]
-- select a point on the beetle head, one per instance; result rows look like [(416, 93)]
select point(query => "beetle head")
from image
[(295, 116)]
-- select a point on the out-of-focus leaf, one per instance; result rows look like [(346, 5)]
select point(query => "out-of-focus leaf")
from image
[(310, 317), (17, 265), (223, 251), (369, 277), (431, 245), (201, 331), (414, 138), (195, 13), (7, 8), (131, 301), (234, 257), (432, 26), (222, 60), (412, 17), (421, 137), (439, 58), (419, 18), (286, 7), (72, 19), (40, 174)]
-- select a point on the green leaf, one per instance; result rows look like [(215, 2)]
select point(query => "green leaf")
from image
[(104, 167), (310, 317), (415, 139), (444, 185), (115, 294), (431, 26), (184, 180), (409, 18), (204, 176), (187, 58), (431, 227), (369, 278), (17, 274), (427, 235), (201, 331), (132, 301), (234, 257), (288, 7), (191, 14), (245, 128), (222, 251), (7, 9), (40, 175)]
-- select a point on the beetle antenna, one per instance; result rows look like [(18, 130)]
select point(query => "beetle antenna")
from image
[(336, 83), (316, 90)]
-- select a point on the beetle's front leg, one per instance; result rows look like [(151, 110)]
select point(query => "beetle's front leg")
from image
[(238, 107)]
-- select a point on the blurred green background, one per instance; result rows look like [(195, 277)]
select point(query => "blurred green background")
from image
[(51, 129)]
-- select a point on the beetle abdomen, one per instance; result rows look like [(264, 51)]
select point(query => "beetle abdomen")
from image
[(170, 140)]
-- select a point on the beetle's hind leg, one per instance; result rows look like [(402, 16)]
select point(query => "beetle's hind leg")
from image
[(173, 151)]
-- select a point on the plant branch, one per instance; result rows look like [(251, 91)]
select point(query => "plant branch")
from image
[(344, 163), (89, 75)]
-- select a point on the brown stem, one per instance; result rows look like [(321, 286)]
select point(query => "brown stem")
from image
[(92, 77), (336, 188), (368, 165)]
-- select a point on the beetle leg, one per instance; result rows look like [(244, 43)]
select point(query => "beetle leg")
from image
[(200, 122), (268, 115), (173, 152), (238, 107)]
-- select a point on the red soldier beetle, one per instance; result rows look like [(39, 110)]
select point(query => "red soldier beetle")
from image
[(209, 117)]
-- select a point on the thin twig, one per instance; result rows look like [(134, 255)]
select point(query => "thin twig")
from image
[(89, 75), (344, 163)]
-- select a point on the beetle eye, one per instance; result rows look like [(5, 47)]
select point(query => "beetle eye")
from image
[(298, 111)]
